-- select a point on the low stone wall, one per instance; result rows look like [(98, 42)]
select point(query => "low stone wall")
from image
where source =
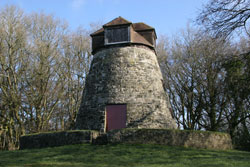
[(52, 139), (186, 138)]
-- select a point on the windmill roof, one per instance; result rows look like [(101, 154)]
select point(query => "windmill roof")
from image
[(98, 32), (142, 26), (140, 39), (117, 21), (121, 21)]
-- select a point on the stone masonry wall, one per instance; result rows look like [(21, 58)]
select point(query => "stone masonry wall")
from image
[(125, 75), (53, 139), (170, 137)]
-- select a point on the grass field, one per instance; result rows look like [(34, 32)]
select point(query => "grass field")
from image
[(122, 155)]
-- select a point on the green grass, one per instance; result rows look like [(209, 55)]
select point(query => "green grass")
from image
[(123, 155)]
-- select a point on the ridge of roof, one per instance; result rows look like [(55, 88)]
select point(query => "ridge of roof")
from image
[(117, 21), (140, 26)]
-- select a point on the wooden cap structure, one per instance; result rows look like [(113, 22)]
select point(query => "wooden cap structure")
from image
[(123, 32)]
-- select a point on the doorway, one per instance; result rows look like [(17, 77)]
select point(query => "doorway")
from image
[(116, 116)]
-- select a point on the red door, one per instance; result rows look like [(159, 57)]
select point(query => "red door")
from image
[(116, 116)]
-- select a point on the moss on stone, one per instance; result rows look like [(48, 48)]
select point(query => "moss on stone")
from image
[(52, 139), (172, 137), (68, 131)]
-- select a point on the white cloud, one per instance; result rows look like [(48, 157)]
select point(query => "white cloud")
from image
[(77, 4)]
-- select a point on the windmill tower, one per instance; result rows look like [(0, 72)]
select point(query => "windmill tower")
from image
[(124, 86)]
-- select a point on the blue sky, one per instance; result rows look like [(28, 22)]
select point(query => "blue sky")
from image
[(166, 16)]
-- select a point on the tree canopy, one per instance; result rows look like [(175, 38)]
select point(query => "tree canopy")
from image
[(222, 17)]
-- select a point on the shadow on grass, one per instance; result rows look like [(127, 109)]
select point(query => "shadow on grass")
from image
[(123, 155)]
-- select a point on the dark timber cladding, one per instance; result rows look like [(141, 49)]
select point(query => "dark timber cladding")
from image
[(121, 31)]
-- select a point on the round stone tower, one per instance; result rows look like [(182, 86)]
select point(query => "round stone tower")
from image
[(124, 87)]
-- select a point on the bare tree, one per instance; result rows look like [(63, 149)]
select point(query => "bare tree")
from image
[(213, 53), (238, 92), (43, 84), (43, 67), (76, 59), (13, 64), (180, 69), (222, 17), (195, 79)]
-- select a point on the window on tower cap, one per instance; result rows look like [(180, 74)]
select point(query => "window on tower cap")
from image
[(115, 35)]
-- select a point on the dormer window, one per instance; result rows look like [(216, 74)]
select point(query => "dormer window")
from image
[(123, 32), (116, 35)]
